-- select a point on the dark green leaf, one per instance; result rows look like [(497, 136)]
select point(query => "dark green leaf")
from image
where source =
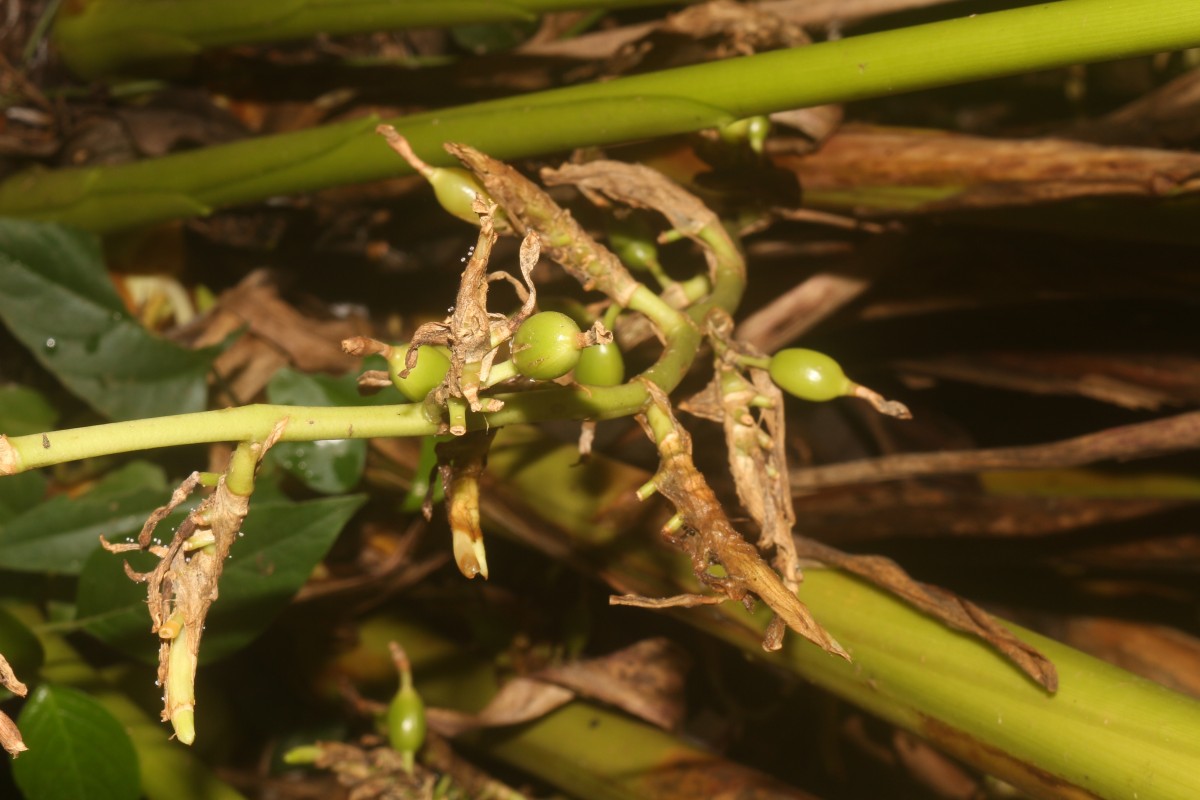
[(19, 493), (76, 749), (24, 411), (283, 542), (493, 37), (56, 297), (333, 466), (58, 535), (20, 646)]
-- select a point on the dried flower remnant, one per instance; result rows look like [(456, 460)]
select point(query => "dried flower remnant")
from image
[(184, 584), (472, 333), (461, 462), (10, 459), (10, 735), (749, 407), (705, 533)]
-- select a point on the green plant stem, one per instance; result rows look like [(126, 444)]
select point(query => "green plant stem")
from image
[(644, 106), (1105, 731), (138, 37), (311, 423), (307, 424)]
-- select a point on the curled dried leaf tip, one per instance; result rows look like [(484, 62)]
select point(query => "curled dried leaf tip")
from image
[(461, 462), (183, 585), (10, 736), (707, 536), (10, 460), (9, 680)]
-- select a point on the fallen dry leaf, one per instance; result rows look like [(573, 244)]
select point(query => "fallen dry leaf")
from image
[(645, 679)]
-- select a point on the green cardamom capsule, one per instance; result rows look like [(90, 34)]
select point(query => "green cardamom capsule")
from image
[(546, 346), (809, 375), (600, 365), (428, 373)]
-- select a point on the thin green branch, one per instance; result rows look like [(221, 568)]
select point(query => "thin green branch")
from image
[(306, 424), (138, 37), (311, 423), (656, 104)]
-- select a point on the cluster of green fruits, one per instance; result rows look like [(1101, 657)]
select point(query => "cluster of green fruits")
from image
[(547, 346)]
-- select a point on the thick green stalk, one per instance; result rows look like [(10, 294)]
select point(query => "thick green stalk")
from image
[(136, 37), (1105, 731), (643, 106), (600, 754)]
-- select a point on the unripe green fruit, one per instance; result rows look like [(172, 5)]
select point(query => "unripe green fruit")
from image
[(406, 721), (546, 346), (751, 130), (430, 371), (456, 190), (600, 365), (809, 375), (632, 242)]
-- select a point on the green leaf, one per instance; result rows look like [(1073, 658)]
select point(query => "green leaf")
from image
[(493, 37), (24, 411), (76, 749), (282, 544), (19, 493), (57, 299), (58, 535), (20, 646), (332, 466)]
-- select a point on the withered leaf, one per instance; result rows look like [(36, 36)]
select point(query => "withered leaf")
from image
[(645, 679), (520, 700), (9, 680), (10, 736), (708, 537), (529, 208), (641, 187)]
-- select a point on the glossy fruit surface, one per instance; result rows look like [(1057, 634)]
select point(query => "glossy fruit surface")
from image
[(546, 346), (751, 130), (633, 242), (430, 371), (809, 375), (600, 365), (406, 721), (456, 190)]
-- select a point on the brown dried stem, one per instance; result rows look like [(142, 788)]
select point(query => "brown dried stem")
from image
[(1140, 440), (708, 537), (184, 584)]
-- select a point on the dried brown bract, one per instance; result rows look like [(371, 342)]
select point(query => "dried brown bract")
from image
[(461, 462), (472, 333), (708, 537), (10, 735), (749, 407), (184, 585), (641, 187), (530, 209)]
